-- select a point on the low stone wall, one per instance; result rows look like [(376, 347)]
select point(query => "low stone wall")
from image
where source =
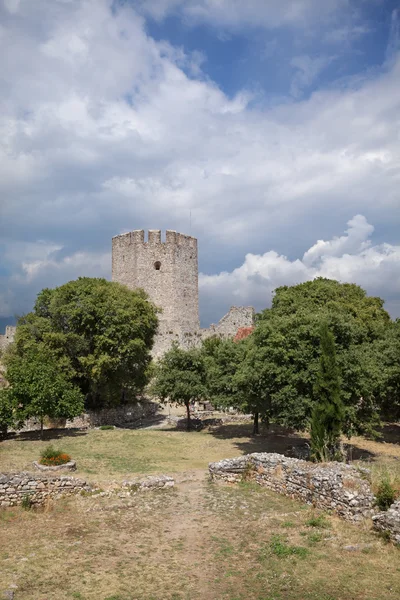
[(121, 416), (151, 482), (331, 486), (389, 521), (14, 487)]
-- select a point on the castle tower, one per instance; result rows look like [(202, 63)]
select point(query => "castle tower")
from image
[(168, 273)]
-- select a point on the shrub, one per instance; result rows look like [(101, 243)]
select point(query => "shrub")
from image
[(51, 457), (26, 502), (318, 521), (281, 549), (385, 495)]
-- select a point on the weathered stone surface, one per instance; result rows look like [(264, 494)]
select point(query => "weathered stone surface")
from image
[(150, 482), (69, 466), (332, 486), (121, 416), (38, 488), (389, 521), (168, 272)]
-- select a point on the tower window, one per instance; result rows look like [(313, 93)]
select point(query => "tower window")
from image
[(157, 265)]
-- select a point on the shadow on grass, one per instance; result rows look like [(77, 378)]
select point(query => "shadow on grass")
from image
[(48, 434), (274, 439), (391, 433)]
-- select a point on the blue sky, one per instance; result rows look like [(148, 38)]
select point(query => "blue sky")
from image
[(275, 123)]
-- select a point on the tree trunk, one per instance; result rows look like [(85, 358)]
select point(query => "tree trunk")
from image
[(256, 429), (189, 423), (41, 428)]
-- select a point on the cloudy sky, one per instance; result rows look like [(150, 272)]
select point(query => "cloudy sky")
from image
[(268, 129)]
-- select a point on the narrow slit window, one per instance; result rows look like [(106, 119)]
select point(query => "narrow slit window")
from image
[(157, 265)]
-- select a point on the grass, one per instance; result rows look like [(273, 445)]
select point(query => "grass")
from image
[(197, 541)]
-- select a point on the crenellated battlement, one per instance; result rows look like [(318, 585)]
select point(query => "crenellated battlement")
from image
[(167, 270), (153, 237)]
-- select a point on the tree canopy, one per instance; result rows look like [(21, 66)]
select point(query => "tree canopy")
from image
[(97, 333), (328, 412), (38, 388), (180, 378), (284, 362)]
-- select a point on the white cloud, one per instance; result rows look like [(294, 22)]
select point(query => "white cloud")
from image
[(307, 70), (350, 258), (256, 13), (102, 129)]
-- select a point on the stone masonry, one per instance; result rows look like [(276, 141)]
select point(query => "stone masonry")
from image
[(14, 487), (389, 521), (334, 486), (168, 272), (8, 337)]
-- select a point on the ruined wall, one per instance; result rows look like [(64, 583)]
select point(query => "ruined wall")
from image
[(389, 522), (121, 416), (238, 317), (168, 273), (8, 338), (341, 488), (15, 487)]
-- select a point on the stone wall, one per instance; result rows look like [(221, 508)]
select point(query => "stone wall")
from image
[(332, 486), (167, 272), (8, 337), (15, 487), (389, 521), (121, 416)]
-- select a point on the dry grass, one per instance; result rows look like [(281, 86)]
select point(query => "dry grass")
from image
[(198, 541)]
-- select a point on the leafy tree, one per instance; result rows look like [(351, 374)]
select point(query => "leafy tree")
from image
[(38, 388), (180, 377), (385, 355), (287, 351), (98, 333), (228, 384), (328, 412)]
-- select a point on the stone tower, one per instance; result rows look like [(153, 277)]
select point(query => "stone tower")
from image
[(168, 273)]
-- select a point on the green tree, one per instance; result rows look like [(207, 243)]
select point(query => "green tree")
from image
[(180, 377), (287, 350), (38, 388), (384, 353), (98, 333), (328, 412), (231, 376)]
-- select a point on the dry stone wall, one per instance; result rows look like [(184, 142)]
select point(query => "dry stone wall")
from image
[(121, 416), (389, 521), (332, 486), (15, 487)]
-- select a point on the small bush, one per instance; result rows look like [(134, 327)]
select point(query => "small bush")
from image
[(318, 521), (26, 502), (106, 427), (281, 549), (51, 457), (385, 495)]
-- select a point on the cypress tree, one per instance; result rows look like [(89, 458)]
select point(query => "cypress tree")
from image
[(329, 413)]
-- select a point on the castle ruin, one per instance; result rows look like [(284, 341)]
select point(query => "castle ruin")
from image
[(168, 273), (8, 338)]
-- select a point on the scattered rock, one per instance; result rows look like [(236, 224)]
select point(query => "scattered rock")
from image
[(149, 483)]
